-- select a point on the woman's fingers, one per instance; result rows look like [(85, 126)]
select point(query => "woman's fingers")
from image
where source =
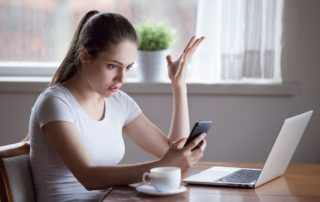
[(169, 60), (195, 142), (196, 44), (203, 146), (179, 143), (193, 43), (191, 47), (189, 43), (183, 156), (178, 67), (181, 66), (197, 154)]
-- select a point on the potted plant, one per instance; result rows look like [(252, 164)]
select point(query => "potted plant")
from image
[(154, 42)]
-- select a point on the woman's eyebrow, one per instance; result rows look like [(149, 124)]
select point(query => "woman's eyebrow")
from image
[(120, 63), (115, 61)]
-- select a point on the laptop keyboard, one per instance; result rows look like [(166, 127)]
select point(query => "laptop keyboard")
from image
[(241, 176)]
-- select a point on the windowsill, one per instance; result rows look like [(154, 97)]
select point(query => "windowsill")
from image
[(36, 84)]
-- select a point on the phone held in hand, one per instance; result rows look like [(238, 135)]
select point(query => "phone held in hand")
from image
[(198, 128)]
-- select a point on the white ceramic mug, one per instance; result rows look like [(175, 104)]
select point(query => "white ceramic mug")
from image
[(163, 179)]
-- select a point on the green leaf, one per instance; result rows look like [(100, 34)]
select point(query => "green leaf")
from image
[(154, 37)]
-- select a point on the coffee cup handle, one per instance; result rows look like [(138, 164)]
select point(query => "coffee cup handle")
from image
[(146, 174)]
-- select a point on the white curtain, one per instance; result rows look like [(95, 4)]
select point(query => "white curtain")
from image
[(243, 40)]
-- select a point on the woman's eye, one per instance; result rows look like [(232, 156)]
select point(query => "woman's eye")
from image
[(110, 66)]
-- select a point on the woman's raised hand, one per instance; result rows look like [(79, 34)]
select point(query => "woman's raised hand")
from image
[(177, 69)]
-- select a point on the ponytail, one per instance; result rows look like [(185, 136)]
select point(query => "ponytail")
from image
[(95, 32), (69, 65)]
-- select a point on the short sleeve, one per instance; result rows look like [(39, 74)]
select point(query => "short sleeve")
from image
[(133, 112), (53, 108), (132, 109)]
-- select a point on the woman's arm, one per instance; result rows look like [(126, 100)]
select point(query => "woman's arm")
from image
[(180, 124), (65, 140), (146, 134)]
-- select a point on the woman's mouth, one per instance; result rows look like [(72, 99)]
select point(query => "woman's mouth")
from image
[(114, 88)]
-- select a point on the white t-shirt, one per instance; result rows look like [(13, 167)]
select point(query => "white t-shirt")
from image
[(103, 140)]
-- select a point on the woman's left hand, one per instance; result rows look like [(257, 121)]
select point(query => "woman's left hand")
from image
[(177, 69)]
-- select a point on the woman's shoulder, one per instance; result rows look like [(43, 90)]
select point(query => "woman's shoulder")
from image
[(55, 91), (53, 103)]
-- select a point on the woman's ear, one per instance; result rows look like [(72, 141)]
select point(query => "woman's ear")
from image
[(84, 56)]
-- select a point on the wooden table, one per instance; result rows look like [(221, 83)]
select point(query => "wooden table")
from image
[(301, 182)]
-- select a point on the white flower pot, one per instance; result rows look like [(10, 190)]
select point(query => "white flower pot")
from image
[(152, 66)]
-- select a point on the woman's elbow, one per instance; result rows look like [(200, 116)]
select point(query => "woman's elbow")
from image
[(93, 185), (89, 187)]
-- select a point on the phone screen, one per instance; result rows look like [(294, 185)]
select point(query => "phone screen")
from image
[(198, 128)]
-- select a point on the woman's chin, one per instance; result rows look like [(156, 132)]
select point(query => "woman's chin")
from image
[(109, 93)]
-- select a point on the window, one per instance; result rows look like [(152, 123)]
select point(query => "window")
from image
[(243, 40), (243, 37), (38, 32)]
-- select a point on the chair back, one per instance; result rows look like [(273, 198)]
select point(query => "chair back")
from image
[(16, 182)]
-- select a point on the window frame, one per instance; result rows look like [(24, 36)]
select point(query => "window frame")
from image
[(30, 77), (28, 69)]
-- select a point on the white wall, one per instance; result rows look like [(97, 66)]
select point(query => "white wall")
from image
[(245, 127)]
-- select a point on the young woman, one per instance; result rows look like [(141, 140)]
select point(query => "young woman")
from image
[(76, 124)]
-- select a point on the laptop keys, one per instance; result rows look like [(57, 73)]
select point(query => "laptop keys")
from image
[(241, 176)]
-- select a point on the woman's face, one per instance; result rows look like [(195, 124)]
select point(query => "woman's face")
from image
[(108, 71)]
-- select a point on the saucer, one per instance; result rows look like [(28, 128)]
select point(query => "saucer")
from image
[(148, 189)]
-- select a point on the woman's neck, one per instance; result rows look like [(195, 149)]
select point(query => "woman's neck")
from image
[(91, 102), (82, 91)]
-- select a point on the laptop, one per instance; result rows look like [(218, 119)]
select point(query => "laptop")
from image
[(275, 165)]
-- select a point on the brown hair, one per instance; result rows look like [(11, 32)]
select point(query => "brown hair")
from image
[(96, 32)]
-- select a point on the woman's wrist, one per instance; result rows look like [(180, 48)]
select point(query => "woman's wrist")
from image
[(161, 162), (179, 86)]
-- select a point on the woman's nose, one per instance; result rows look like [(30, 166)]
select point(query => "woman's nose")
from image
[(120, 76)]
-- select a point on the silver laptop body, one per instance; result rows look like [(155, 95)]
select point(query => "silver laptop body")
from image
[(275, 165)]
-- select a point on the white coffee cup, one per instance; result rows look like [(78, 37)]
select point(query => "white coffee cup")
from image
[(164, 179)]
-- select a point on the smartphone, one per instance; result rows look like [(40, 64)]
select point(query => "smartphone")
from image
[(198, 128)]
